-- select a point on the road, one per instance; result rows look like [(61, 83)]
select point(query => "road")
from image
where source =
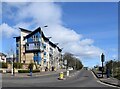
[(83, 78)]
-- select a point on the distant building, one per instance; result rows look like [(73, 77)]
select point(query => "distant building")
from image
[(2, 57), (33, 46), (9, 59)]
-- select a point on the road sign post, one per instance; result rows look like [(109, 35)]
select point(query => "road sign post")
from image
[(102, 60)]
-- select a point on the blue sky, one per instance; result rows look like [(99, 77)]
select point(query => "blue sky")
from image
[(84, 29), (98, 21)]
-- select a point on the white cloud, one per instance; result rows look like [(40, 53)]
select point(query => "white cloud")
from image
[(7, 31), (41, 13), (32, 15), (60, 0), (115, 56)]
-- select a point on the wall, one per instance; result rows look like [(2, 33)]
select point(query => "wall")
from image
[(23, 56), (29, 57)]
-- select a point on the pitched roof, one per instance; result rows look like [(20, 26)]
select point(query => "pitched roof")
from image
[(60, 50), (37, 30), (17, 37), (25, 30), (52, 44), (2, 54), (45, 38)]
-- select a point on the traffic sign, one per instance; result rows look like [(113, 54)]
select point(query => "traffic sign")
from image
[(65, 62), (102, 57)]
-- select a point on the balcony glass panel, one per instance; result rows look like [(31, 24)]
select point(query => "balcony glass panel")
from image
[(32, 46)]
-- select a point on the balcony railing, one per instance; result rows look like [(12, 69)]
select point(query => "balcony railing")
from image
[(34, 46)]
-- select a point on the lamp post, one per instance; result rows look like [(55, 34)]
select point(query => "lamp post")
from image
[(102, 60)]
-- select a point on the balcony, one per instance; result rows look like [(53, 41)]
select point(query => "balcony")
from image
[(34, 46)]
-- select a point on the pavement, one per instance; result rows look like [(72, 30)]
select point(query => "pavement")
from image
[(82, 78), (25, 75), (111, 80)]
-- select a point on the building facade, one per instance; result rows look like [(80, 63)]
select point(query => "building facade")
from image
[(33, 46)]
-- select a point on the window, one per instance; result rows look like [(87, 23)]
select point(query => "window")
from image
[(36, 45), (24, 61), (44, 60), (36, 38), (44, 53), (44, 46), (27, 46), (35, 54), (51, 50), (33, 37), (17, 45)]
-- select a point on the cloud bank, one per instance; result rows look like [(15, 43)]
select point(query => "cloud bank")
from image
[(33, 15)]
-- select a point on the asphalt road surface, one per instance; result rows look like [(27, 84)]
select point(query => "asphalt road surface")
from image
[(83, 78)]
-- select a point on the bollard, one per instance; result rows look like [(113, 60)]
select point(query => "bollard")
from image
[(4, 71), (61, 76), (68, 73)]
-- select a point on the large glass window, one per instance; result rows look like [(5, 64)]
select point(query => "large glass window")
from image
[(35, 37)]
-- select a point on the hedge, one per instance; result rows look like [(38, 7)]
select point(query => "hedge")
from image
[(28, 71), (35, 71), (4, 65), (23, 71), (18, 65), (118, 76)]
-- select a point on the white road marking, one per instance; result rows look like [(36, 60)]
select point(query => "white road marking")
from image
[(102, 82)]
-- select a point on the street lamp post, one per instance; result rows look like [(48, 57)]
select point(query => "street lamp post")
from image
[(102, 60)]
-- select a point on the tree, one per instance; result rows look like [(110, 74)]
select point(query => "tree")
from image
[(114, 66), (78, 64), (72, 61)]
